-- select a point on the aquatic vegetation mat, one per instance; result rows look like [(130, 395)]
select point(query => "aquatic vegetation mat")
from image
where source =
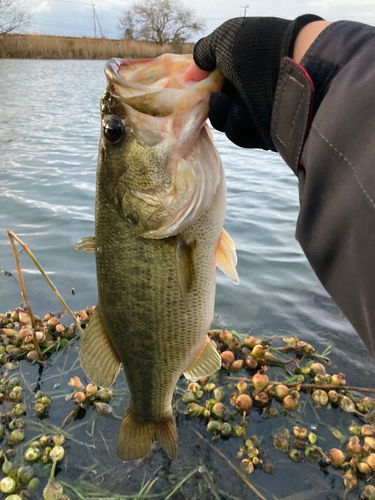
[(278, 421)]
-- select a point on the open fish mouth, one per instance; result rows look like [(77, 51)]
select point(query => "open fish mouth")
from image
[(165, 112), (156, 86)]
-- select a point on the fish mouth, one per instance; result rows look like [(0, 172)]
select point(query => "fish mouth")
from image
[(144, 74), (165, 111), (156, 86)]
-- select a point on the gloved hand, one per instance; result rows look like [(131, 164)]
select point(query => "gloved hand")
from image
[(248, 50)]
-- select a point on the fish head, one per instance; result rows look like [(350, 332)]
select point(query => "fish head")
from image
[(156, 153)]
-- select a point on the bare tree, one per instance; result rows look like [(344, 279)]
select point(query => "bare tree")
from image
[(160, 21), (14, 17)]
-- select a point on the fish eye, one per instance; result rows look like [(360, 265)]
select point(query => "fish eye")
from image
[(113, 128)]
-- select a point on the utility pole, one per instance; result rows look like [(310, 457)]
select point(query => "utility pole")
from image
[(94, 16), (96, 19), (245, 9), (101, 31)]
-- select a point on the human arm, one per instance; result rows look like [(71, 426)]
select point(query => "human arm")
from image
[(322, 123), (249, 52), (306, 37)]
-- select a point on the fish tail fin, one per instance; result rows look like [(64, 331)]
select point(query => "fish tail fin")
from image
[(136, 436), (166, 434)]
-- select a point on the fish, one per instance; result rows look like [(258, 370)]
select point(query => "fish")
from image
[(159, 212)]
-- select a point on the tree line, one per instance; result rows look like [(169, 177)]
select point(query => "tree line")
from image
[(158, 21)]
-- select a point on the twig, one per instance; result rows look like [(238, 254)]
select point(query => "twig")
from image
[(54, 289), (288, 348), (267, 341), (263, 341), (297, 368), (20, 277), (326, 387), (24, 295), (233, 466)]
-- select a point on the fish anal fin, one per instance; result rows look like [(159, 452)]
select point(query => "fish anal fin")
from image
[(88, 244), (98, 359), (226, 257), (186, 266), (205, 364), (137, 435)]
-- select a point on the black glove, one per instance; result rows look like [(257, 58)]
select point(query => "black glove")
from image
[(248, 50)]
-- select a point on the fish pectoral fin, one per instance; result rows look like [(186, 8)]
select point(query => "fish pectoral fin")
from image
[(205, 364), (226, 257), (98, 359), (186, 266), (136, 436), (88, 244)]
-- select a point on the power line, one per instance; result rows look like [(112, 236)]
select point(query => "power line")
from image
[(83, 3), (68, 26), (119, 10)]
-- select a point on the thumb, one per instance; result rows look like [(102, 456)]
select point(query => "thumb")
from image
[(215, 50), (204, 54)]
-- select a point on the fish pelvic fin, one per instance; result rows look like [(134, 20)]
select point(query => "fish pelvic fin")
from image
[(137, 435), (226, 257), (205, 364), (98, 359), (88, 244)]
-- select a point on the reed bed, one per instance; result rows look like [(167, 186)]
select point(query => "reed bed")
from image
[(58, 47)]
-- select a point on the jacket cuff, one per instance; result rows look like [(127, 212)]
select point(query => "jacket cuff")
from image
[(292, 112)]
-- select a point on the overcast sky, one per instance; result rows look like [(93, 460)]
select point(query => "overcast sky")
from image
[(75, 17)]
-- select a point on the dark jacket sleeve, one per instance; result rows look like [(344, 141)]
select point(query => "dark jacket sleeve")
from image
[(327, 105)]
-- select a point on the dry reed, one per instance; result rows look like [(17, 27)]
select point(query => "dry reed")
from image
[(58, 47)]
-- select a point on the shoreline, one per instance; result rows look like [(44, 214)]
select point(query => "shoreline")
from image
[(85, 48)]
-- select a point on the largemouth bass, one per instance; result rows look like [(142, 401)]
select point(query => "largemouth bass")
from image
[(160, 205)]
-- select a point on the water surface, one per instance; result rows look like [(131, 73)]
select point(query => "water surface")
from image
[(49, 132)]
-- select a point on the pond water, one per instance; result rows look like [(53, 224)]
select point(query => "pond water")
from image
[(49, 132)]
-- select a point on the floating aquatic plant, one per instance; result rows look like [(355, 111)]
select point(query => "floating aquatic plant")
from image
[(275, 378)]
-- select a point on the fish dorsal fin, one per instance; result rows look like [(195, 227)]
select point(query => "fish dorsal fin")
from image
[(88, 244), (205, 364), (226, 257), (98, 359), (186, 266)]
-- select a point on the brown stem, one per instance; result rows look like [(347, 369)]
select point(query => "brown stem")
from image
[(292, 361), (233, 466), (267, 341), (326, 387), (288, 348), (243, 418), (20, 277), (24, 295), (41, 270)]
